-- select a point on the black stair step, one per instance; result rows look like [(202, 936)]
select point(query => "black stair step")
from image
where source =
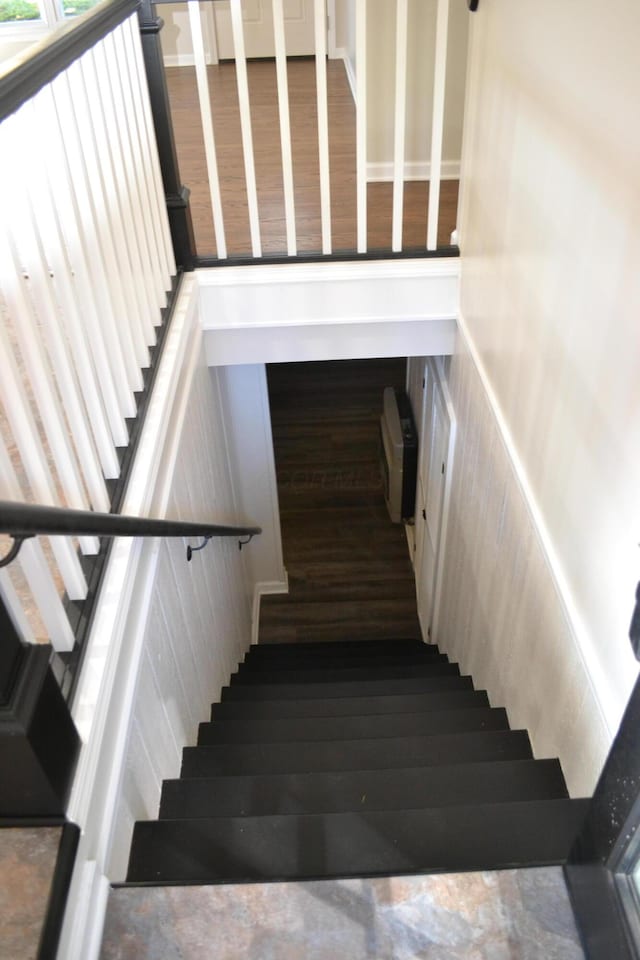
[(244, 710), (345, 674), (479, 837), (454, 785), (353, 688), (342, 647), (295, 662), (377, 754), (353, 728)]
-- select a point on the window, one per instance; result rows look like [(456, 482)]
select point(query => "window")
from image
[(20, 18)]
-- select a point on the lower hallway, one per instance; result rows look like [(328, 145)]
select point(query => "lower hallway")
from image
[(350, 576)]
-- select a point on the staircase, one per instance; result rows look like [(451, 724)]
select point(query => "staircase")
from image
[(354, 759)]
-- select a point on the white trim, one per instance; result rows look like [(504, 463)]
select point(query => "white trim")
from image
[(438, 366), (341, 53), (263, 589), (185, 59), (382, 171), (607, 703), (329, 272)]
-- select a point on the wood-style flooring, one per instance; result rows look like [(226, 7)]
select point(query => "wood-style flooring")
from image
[(266, 137), (349, 571)]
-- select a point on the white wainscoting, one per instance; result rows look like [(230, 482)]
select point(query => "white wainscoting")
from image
[(167, 634), (502, 616)]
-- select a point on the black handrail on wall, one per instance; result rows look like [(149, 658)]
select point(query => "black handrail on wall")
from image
[(21, 521)]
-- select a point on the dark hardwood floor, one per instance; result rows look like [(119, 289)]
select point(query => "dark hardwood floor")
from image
[(304, 141), (349, 571)]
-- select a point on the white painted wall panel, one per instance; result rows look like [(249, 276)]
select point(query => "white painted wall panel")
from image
[(551, 294), (502, 617), (199, 623)]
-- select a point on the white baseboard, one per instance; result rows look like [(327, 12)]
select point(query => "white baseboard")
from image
[(262, 589), (184, 59), (413, 170), (341, 53)]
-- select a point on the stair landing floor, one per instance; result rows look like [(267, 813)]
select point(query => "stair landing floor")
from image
[(496, 914)]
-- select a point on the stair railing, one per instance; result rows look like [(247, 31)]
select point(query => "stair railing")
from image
[(21, 521)]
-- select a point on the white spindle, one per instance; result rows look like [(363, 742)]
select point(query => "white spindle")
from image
[(245, 124), (285, 131), (106, 295), (207, 125), (81, 252), (36, 468), (36, 569), (72, 314), (320, 23), (399, 124), (72, 108), (97, 106), (141, 92), (115, 49), (37, 368), (23, 224), (361, 122), (437, 129)]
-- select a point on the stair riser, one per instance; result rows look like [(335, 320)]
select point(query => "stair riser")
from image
[(290, 662), (346, 674), (353, 728), (364, 688), (363, 790), (239, 759), (355, 706)]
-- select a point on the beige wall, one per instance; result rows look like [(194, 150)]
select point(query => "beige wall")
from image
[(551, 300)]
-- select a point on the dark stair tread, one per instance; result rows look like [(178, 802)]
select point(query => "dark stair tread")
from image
[(479, 837), (290, 661), (376, 754), (455, 784), (346, 674), (353, 728), (350, 688), (349, 706)]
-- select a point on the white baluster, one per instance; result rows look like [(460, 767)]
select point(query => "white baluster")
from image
[(437, 129), (285, 126), (361, 122), (206, 117), (320, 18), (399, 124), (35, 567), (89, 110), (82, 251), (141, 92), (245, 125), (73, 313)]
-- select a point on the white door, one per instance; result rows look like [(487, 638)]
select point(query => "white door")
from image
[(435, 462), (257, 16)]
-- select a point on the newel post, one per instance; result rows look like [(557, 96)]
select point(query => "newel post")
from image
[(39, 743), (177, 195)]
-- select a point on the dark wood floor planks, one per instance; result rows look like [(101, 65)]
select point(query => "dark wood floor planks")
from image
[(304, 137), (349, 571)]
